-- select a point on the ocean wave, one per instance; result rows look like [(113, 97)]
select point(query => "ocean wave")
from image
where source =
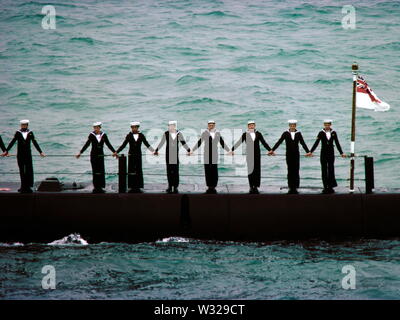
[(299, 52), (55, 145), (329, 81), (174, 24), (241, 69), (204, 100), (14, 244), (394, 45), (226, 46), (34, 18), (86, 40), (216, 13), (186, 51), (72, 239), (20, 95), (173, 239), (293, 15), (189, 79), (41, 4), (379, 160)]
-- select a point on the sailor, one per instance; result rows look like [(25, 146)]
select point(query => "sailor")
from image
[(172, 137), (97, 138), (292, 138), (2, 147), (135, 138), (24, 137), (252, 138), (211, 138), (329, 139)]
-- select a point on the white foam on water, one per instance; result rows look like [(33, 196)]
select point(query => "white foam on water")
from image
[(72, 239), (15, 244), (173, 239)]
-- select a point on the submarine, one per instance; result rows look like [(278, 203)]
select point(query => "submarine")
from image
[(56, 210)]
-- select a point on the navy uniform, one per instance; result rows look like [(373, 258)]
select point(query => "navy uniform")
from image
[(97, 141), (172, 138), (211, 138), (292, 140), (328, 139), (24, 137), (135, 171), (252, 138)]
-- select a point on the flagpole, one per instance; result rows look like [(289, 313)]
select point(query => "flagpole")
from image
[(354, 69)]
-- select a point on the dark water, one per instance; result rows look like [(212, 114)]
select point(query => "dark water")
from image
[(178, 268)]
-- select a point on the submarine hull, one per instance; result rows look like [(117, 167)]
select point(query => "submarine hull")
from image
[(44, 217)]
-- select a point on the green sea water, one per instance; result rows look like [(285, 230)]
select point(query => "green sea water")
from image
[(191, 61)]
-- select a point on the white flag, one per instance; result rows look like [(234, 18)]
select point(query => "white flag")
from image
[(367, 99)]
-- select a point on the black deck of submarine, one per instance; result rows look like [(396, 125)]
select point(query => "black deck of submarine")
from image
[(232, 214)]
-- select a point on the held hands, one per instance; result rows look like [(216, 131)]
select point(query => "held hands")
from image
[(231, 153), (78, 155), (309, 155), (271, 153), (42, 154), (343, 155), (4, 154), (155, 153), (115, 155)]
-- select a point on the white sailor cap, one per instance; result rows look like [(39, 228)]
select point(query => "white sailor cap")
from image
[(211, 121), (327, 121), (97, 124), (251, 122), (292, 121), (135, 124), (25, 121), (173, 122)]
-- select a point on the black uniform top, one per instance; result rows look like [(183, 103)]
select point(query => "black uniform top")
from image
[(250, 143), (135, 145), (24, 145), (172, 145), (327, 145), (211, 146), (292, 145), (2, 146), (97, 147)]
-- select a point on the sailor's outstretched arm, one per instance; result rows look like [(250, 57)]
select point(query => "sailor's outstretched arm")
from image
[(239, 142), (163, 139), (223, 144), (303, 144), (86, 145), (146, 143), (338, 145), (183, 142), (316, 143), (276, 146), (108, 143), (123, 145), (36, 144), (11, 144), (2, 146), (264, 143), (198, 144)]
